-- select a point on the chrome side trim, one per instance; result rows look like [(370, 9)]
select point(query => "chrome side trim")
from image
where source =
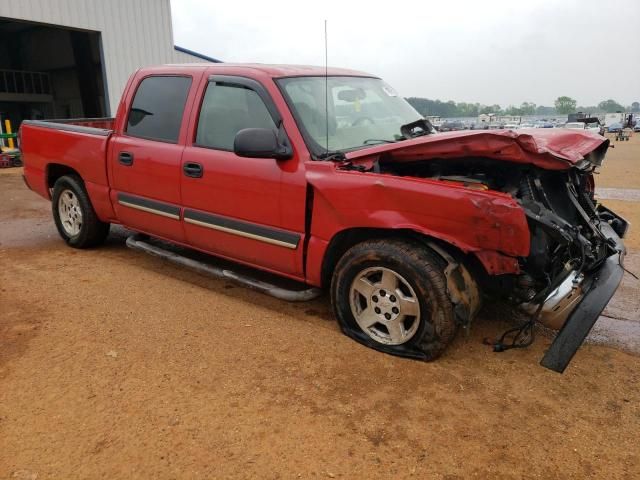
[(149, 210), (240, 233)]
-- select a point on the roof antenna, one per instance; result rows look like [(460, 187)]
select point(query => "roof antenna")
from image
[(326, 84)]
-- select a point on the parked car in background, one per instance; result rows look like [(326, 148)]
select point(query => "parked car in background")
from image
[(511, 126), (452, 126), (543, 124), (636, 128), (614, 128), (595, 128), (587, 127)]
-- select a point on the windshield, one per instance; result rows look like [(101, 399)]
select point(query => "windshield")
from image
[(361, 111)]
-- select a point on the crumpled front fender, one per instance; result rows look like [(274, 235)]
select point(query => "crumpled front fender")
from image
[(471, 220)]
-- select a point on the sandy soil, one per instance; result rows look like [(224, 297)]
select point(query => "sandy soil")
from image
[(114, 364), (621, 167)]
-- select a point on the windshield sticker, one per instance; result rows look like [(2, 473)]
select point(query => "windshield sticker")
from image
[(389, 91)]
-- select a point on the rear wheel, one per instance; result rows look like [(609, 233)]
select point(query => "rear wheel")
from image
[(391, 295), (75, 218)]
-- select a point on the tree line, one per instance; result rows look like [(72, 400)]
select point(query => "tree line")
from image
[(562, 105)]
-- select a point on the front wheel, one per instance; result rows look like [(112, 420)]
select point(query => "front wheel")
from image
[(391, 295), (75, 218)]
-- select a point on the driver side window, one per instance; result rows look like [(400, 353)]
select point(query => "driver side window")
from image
[(227, 109)]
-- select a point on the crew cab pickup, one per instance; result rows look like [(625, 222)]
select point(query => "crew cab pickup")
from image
[(329, 178)]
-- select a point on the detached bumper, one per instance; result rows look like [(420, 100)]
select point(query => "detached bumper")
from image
[(598, 288)]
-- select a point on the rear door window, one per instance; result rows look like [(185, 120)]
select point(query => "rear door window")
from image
[(157, 108)]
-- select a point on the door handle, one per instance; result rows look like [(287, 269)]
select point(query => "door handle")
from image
[(125, 158), (192, 169)]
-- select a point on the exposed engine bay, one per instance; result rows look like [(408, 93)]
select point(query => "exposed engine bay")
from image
[(564, 218), (575, 246), (537, 238)]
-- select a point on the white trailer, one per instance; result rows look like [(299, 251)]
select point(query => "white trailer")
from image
[(619, 117)]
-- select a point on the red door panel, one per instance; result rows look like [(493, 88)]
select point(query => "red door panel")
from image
[(145, 154), (153, 176), (242, 197)]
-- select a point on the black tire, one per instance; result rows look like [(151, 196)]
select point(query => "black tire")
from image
[(92, 231), (423, 271)]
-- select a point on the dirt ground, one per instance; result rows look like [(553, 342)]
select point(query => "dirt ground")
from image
[(620, 168), (114, 364)]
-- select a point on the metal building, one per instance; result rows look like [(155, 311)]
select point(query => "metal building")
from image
[(72, 58)]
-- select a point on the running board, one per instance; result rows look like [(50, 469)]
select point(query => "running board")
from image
[(135, 242)]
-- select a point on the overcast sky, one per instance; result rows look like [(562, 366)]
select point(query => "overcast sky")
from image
[(503, 52)]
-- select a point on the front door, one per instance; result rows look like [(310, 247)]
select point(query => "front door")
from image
[(246, 209)]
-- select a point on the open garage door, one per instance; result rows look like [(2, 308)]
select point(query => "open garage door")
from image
[(50, 72)]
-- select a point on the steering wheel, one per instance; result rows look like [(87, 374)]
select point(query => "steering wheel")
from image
[(361, 120)]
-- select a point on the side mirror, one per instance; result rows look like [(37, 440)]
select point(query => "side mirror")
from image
[(260, 143)]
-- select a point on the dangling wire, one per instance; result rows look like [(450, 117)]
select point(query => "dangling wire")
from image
[(520, 337)]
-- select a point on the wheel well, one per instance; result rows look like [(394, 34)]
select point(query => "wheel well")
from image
[(346, 239), (56, 170)]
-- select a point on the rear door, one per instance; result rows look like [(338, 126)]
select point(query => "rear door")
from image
[(246, 209), (145, 156)]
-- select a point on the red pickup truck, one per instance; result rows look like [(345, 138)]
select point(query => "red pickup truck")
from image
[(332, 179)]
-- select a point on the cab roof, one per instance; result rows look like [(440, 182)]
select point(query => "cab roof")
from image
[(272, 70)]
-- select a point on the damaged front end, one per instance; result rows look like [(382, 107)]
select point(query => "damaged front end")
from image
[(575, 258)]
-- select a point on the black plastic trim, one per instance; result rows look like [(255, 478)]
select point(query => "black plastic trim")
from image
[(150, 204), (193, 170), (125, 158), (244, 227), (604, 283), (251, 84)]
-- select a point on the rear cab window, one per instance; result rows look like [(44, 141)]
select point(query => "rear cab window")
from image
[(157, 108)]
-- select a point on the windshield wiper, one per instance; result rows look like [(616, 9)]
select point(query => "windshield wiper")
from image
[(334, 156), (369, 141)]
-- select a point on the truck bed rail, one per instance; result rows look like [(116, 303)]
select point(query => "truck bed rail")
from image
[(92, 126)]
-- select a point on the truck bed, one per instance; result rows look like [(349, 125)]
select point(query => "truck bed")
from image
[(78, 145)]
